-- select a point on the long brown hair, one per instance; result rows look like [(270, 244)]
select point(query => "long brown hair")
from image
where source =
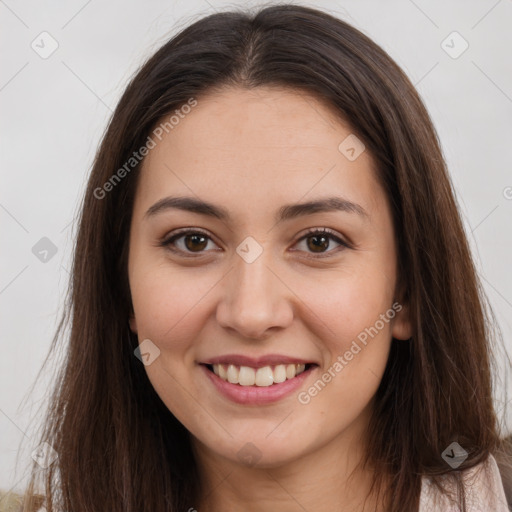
[(119, 447)]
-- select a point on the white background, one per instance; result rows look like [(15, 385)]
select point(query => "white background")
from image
[(54, 111)]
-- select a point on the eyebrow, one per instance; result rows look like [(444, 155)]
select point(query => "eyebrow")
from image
[(286, 212)]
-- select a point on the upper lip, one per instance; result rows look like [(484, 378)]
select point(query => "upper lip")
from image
[(258, 362)]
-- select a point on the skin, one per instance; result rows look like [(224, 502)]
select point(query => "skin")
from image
[(252, 152)]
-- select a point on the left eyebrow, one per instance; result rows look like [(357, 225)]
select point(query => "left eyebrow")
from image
[(286, 212)]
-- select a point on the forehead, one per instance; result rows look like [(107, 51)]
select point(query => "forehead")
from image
[(255, 148)]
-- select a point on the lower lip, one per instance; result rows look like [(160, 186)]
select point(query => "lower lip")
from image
[(257, 395)]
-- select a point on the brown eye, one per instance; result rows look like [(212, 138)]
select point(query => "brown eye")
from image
[(193, 242), (189, 241), (319, 241)]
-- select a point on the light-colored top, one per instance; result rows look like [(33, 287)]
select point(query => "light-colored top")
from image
[(484, 492), (483, 486)]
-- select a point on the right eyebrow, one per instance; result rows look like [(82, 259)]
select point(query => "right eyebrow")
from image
[(286, 212)]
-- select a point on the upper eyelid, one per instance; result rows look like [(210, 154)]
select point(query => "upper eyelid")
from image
[(186, 231), (310, 232)]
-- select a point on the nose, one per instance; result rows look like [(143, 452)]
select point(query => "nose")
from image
[(254, 300)]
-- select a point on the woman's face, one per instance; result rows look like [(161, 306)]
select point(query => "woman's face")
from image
[(249, 281)]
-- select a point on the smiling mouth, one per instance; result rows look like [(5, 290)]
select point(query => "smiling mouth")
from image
[(261, 377)]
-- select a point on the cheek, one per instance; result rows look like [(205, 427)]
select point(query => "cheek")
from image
[(170, 310), (345, 304), (352, 316), (168, 304)]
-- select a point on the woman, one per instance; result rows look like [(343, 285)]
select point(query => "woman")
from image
[(273, 302)]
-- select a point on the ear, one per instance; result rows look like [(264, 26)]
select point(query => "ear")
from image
[(133, 323), (402, 325)]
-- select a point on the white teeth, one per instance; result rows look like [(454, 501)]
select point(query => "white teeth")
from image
[(290, 371), (233, 373), (223, 373), (280, 373), (265, 376), (246, 376)]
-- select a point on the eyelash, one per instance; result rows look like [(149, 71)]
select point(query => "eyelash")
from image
[(169, 240)]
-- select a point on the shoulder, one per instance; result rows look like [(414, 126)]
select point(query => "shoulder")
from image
[(13, 502), (483, 486), (10, 501)]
